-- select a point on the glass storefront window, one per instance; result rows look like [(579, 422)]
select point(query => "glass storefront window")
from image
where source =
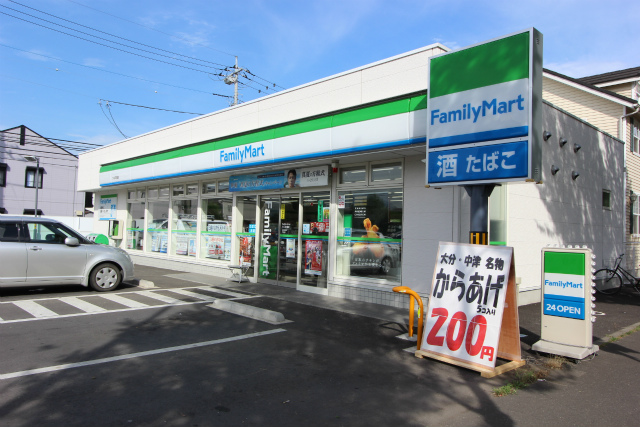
[(353, 174), (153, 192), (192, 190), (223, 186), (315, 238), (178, 190), (184, 227), (135, 228), (163, 192), (370, 234), (215, 229), (209, 187), (386, 172), (158, 227), (245, 228)]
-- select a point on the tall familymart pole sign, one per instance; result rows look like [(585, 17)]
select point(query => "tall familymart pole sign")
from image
[(484, 112)]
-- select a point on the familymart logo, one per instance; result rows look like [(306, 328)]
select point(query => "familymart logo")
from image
[(468, 112)]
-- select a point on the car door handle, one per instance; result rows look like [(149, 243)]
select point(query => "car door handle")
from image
[(35, 248)]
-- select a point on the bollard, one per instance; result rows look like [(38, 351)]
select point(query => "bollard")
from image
[(413, 295)]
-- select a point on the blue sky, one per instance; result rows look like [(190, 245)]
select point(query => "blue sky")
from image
[(53, 83)]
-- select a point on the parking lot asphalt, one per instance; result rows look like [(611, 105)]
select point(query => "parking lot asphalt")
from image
[(591, 391)]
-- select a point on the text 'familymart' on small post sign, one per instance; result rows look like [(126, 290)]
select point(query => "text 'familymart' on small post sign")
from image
[(564, 284), (484, 112)]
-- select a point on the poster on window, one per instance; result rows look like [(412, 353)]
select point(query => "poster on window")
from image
[(465, 314), (291, 248), (215, 246), (182, 244), (313, 257), (155, 242), (246, 249), (164, 238), (108, 207), (192, 246)]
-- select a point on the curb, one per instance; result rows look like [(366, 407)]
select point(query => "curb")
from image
[(262, 314)]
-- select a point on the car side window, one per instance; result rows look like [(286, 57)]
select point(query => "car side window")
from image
[(46, 233), (9, 232)]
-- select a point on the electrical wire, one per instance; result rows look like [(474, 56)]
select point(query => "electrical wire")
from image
[(101, 38), (274, 85), (103, 32), (45, 152), (150, 108), (152, 29), (111, 47), (66, 148), (112, 72), (109, 120), (54, 139)]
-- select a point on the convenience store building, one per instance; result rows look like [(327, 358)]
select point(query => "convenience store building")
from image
[(322, 187)]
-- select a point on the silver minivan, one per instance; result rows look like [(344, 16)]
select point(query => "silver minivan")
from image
[(37, 251)]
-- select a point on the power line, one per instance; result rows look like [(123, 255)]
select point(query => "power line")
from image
[(103, 32), (153, 108), (111, 72), (66, 148), (274, 85), (102, 38), (111, 47), (45, 157), (149, 28), (110, 120), (53, 139)]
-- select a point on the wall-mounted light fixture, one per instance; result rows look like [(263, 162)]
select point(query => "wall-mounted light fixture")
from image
[(334, 166), (562, 142), (546, 135), (574, 175), (633, 196), (554, 169), (576, 147)]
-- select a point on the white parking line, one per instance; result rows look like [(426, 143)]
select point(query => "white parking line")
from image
[(83, 305), (159, 297), (124, 301), (193, 294), (35, 309), (134, 355)]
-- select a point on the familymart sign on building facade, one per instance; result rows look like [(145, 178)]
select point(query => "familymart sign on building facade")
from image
[(484, 112)]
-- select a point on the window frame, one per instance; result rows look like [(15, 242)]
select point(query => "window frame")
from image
[(40, 176), (3, 174)]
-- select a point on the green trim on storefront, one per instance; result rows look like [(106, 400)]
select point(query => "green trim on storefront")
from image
[(387, 109)]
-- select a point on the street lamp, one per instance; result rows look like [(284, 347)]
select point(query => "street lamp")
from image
[(37, 177)]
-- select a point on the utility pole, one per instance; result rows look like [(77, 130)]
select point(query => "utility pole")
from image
[(232, 79)]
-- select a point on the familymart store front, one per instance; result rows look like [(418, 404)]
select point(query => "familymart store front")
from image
[(317, 205)]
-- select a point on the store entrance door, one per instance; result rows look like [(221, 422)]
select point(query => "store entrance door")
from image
[(280, 239)]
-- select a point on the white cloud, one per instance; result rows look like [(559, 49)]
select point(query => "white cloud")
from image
[(35, 55), (94, 62)]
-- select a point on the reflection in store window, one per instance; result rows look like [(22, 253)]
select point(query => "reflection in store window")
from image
[(216, 226), (135, 228), (370, 234), (184, 227), (158, 227)]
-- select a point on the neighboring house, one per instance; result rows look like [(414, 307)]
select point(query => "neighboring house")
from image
[(20, 150), (609, 102)]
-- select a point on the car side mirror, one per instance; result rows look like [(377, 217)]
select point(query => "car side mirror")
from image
[(71, 241)]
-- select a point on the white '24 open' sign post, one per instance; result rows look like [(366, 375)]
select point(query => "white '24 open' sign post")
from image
[(472, 317)]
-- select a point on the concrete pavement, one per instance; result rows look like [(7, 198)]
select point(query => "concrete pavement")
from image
[(596, 391)]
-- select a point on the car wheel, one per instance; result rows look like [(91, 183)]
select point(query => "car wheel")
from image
[(385, 265), (105, 277)]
